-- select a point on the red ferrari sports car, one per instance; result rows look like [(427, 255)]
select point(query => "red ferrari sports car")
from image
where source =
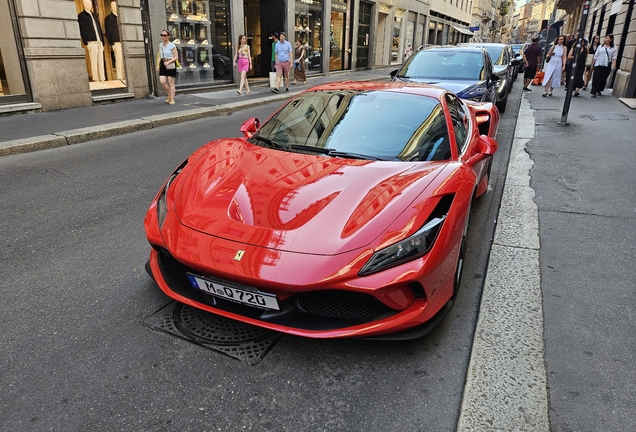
[(343, 215)]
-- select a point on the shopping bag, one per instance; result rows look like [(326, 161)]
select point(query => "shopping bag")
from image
[(272, 79), (538, 78)]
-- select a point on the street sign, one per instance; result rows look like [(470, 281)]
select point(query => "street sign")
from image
[(473, 28)]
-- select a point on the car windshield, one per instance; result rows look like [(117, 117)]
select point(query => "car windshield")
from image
[(385, 125), (497, 54), (516, 47), (436, 65)]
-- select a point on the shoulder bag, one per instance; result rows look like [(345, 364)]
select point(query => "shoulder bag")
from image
[(169, 66)]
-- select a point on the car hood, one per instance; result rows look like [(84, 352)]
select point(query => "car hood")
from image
[(296, 202), (455, 86)]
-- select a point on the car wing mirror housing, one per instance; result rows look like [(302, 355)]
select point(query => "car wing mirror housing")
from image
[(486, 147), (516, 61), (393, 73), (250, 127)]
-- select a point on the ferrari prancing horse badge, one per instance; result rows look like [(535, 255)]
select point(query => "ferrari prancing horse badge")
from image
[(239, 255)]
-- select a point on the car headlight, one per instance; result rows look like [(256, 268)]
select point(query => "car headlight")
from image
[(409, 249), (162, 205)]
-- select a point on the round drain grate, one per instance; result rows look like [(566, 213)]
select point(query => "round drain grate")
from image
[(208, 328)]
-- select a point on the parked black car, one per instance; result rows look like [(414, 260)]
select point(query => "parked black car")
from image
[(466, 71), (518, 49), (504, 66), (222, 64)]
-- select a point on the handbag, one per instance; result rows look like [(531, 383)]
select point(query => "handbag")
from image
[(170, 66), (547, 59), (589, 59)]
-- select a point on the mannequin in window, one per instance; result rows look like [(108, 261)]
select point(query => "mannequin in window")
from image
[(112, 34), (92, 37)]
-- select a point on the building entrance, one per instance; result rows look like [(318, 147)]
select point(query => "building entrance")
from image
[(262, 18)]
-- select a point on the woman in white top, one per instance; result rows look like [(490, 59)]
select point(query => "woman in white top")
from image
[(604, 62), (555, 66)]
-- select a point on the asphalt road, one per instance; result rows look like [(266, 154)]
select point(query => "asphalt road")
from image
[(75, 356)]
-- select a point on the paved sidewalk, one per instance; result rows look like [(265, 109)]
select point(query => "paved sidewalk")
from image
[(22, 133), (554, 345)]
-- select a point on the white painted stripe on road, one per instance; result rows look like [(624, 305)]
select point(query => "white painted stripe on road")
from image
[(506, 380)]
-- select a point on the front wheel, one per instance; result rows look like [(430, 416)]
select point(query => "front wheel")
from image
[(501, 105)]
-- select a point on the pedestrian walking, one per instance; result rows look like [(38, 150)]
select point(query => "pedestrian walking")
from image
[(589, 61), (604, 63), (299, 62), (568, 62), (274, 42), (243, 62), (408, 52), (555, 67), (283, 62), (579, 69), (531, 57), (166, 65)]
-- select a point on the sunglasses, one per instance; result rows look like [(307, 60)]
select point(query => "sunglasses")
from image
[(164, 35)]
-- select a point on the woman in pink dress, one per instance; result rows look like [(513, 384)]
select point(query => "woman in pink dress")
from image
[(243, 62)]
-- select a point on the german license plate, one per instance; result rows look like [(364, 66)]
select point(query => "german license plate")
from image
[(255, 299)]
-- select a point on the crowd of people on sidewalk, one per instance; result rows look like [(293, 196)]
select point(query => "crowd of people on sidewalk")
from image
[(594, 62)]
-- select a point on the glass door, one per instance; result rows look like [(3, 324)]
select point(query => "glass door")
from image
[(364, 29)]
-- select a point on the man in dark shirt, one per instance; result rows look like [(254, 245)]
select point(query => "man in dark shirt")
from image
[(531, 56)]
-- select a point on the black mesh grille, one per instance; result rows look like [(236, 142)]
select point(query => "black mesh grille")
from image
[(339, 304), (173, 266)]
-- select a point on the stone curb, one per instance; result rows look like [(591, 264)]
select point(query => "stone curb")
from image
[(506, 381)]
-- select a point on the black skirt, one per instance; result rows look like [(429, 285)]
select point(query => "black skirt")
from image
[(167, 72)]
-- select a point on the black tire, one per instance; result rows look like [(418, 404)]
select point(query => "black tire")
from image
[(219, 69), (501, 105), (460, 266)]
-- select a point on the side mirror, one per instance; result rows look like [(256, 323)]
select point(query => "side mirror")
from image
[(393, 73), (486, 146), (250, 127), (516, 62)]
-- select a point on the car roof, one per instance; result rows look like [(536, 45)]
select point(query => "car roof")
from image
[(493, 44), (462, 47), (401, 87)]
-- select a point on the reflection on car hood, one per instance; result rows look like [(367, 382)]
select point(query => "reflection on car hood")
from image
[(296, 202)]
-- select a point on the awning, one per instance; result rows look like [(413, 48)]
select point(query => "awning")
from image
[(463, 30)]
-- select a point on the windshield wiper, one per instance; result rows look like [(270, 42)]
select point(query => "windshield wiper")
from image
[(272, 143), (336, 153)]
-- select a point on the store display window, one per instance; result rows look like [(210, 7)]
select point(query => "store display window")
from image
[(13, 86), (100, 34), (395, 47), (419, 32), (199, 30), (308, 28)]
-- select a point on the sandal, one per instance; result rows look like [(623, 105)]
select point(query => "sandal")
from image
[(248, 92), (239, 92), (576, 94), (593, 95), (544, 94)]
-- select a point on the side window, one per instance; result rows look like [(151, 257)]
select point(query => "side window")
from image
[(460, 121)]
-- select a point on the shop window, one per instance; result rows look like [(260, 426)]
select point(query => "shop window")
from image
[(13, 86), (199, 30), (395, 47), (419, 32), (308, 30), (100, 33)]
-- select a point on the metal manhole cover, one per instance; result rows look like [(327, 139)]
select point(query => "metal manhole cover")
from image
[(232, 338), (608, 117)]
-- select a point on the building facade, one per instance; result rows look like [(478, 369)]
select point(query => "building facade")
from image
[(73, 53)]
